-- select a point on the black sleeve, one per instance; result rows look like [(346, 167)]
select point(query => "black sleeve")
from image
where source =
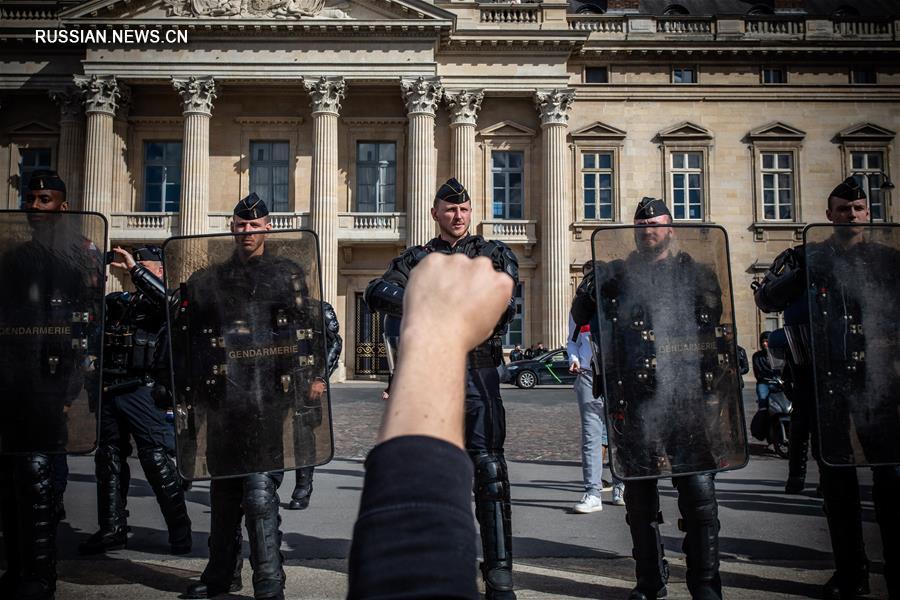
[(783, 282), (385, 294), (584, 305), (504, 261), (415, 535), (148, 284)]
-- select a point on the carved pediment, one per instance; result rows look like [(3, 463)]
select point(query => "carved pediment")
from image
[(255, 10), (599, 131), (685, 131), (507, 129), (776, 131), (866, 132), (32, 128)]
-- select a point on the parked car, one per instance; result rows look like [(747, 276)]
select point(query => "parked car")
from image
[(547, 369)]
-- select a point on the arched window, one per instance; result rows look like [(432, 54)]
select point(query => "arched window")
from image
[(676, 9)]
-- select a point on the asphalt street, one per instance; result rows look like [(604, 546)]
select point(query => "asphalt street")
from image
[(772, 545)]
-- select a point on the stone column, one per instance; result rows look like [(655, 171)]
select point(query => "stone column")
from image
[(121, 186), (326, 94), (71, 141), (464, 106), (101, 95), (553, 107), (197, 97), (422, 96)]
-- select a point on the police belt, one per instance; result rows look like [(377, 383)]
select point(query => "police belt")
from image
[(123, 386), (482, 357)]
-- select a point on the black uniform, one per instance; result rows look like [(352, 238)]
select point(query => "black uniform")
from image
[(784, 288), (133, 332), (43, 282), (485, 421)]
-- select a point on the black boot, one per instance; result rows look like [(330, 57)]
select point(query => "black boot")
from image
[(163, 478), (840, 490), (223, 571), (264, 534), (886, 495), (643, 517), (38, 526), (700, 523), (494, 514), (303, 489), (109, 466), (797, 458)]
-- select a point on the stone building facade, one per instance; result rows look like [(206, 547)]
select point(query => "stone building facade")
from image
[(345, 115)]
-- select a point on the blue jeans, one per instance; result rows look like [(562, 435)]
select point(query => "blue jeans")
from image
[(593, 433), (762, 395)]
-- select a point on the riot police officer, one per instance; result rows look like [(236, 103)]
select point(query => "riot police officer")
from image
[(647, 275), (50, 297), (133, 327), (785, 288), (485, 417), (243, 430)]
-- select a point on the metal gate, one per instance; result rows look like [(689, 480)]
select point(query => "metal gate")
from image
[(370, 357)]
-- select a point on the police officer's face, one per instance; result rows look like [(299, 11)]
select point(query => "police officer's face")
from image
[(847, 211), (46, 200), (653, 239), (452, 219), (251, 245)]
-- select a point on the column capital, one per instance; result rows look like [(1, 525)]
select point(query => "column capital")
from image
[(554, 105), (69, 101), (325, 94), (124, 104), (464, 106), (100, 93), (422, 95), (197, 95)]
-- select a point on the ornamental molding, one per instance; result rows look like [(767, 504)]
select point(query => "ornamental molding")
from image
[(507, 129), (464, 106), (684, 131), (397, 122), (101, 94), (271, 9), (325, 94), (776, 131), (70, 103), (197, 95), (422, 95), (553, 105), (866, 132), (599, 131), (269, 121)]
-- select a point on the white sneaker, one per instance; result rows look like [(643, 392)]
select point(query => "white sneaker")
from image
[(589, 503), (619, 495)]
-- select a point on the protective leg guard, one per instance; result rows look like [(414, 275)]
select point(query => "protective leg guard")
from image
[(700, 517), (37, 520), (163, 478), (797, 457), (223, 572), (264, 532), (494, 514), (840, 491), (643, 517), (109, 467), (886, 495), (303, 489)]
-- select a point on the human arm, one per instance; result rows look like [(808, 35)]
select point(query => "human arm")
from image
[(572, 345), (783, 282)]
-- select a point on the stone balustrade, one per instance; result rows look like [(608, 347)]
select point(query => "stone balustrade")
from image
[(371, 227), (503, 14), (685, 25)]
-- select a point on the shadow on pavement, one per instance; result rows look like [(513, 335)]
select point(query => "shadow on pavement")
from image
[(106, 570)]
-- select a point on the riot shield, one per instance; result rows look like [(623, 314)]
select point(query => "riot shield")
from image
[(248, 353), (665, 335), (854, 285), (51, 334), (390, 333)]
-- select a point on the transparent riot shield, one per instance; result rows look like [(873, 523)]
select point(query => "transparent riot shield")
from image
[(248, 353), (51, 314), (854, 286), (390, 333), (665, 334)]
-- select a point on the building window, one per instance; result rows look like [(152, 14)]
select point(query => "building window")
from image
[(596, 75), (863, 76), (162, 176), (506, 173), (31, 160), (777, 170), (773, 75), (376, 176), (684, 75), (687, 185), (868, 170), (514, 331), (597, 178), (269, 168)]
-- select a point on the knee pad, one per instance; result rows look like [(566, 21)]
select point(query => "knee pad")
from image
[(642, 500), (697, 498), (259, 495), (491, 478)]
